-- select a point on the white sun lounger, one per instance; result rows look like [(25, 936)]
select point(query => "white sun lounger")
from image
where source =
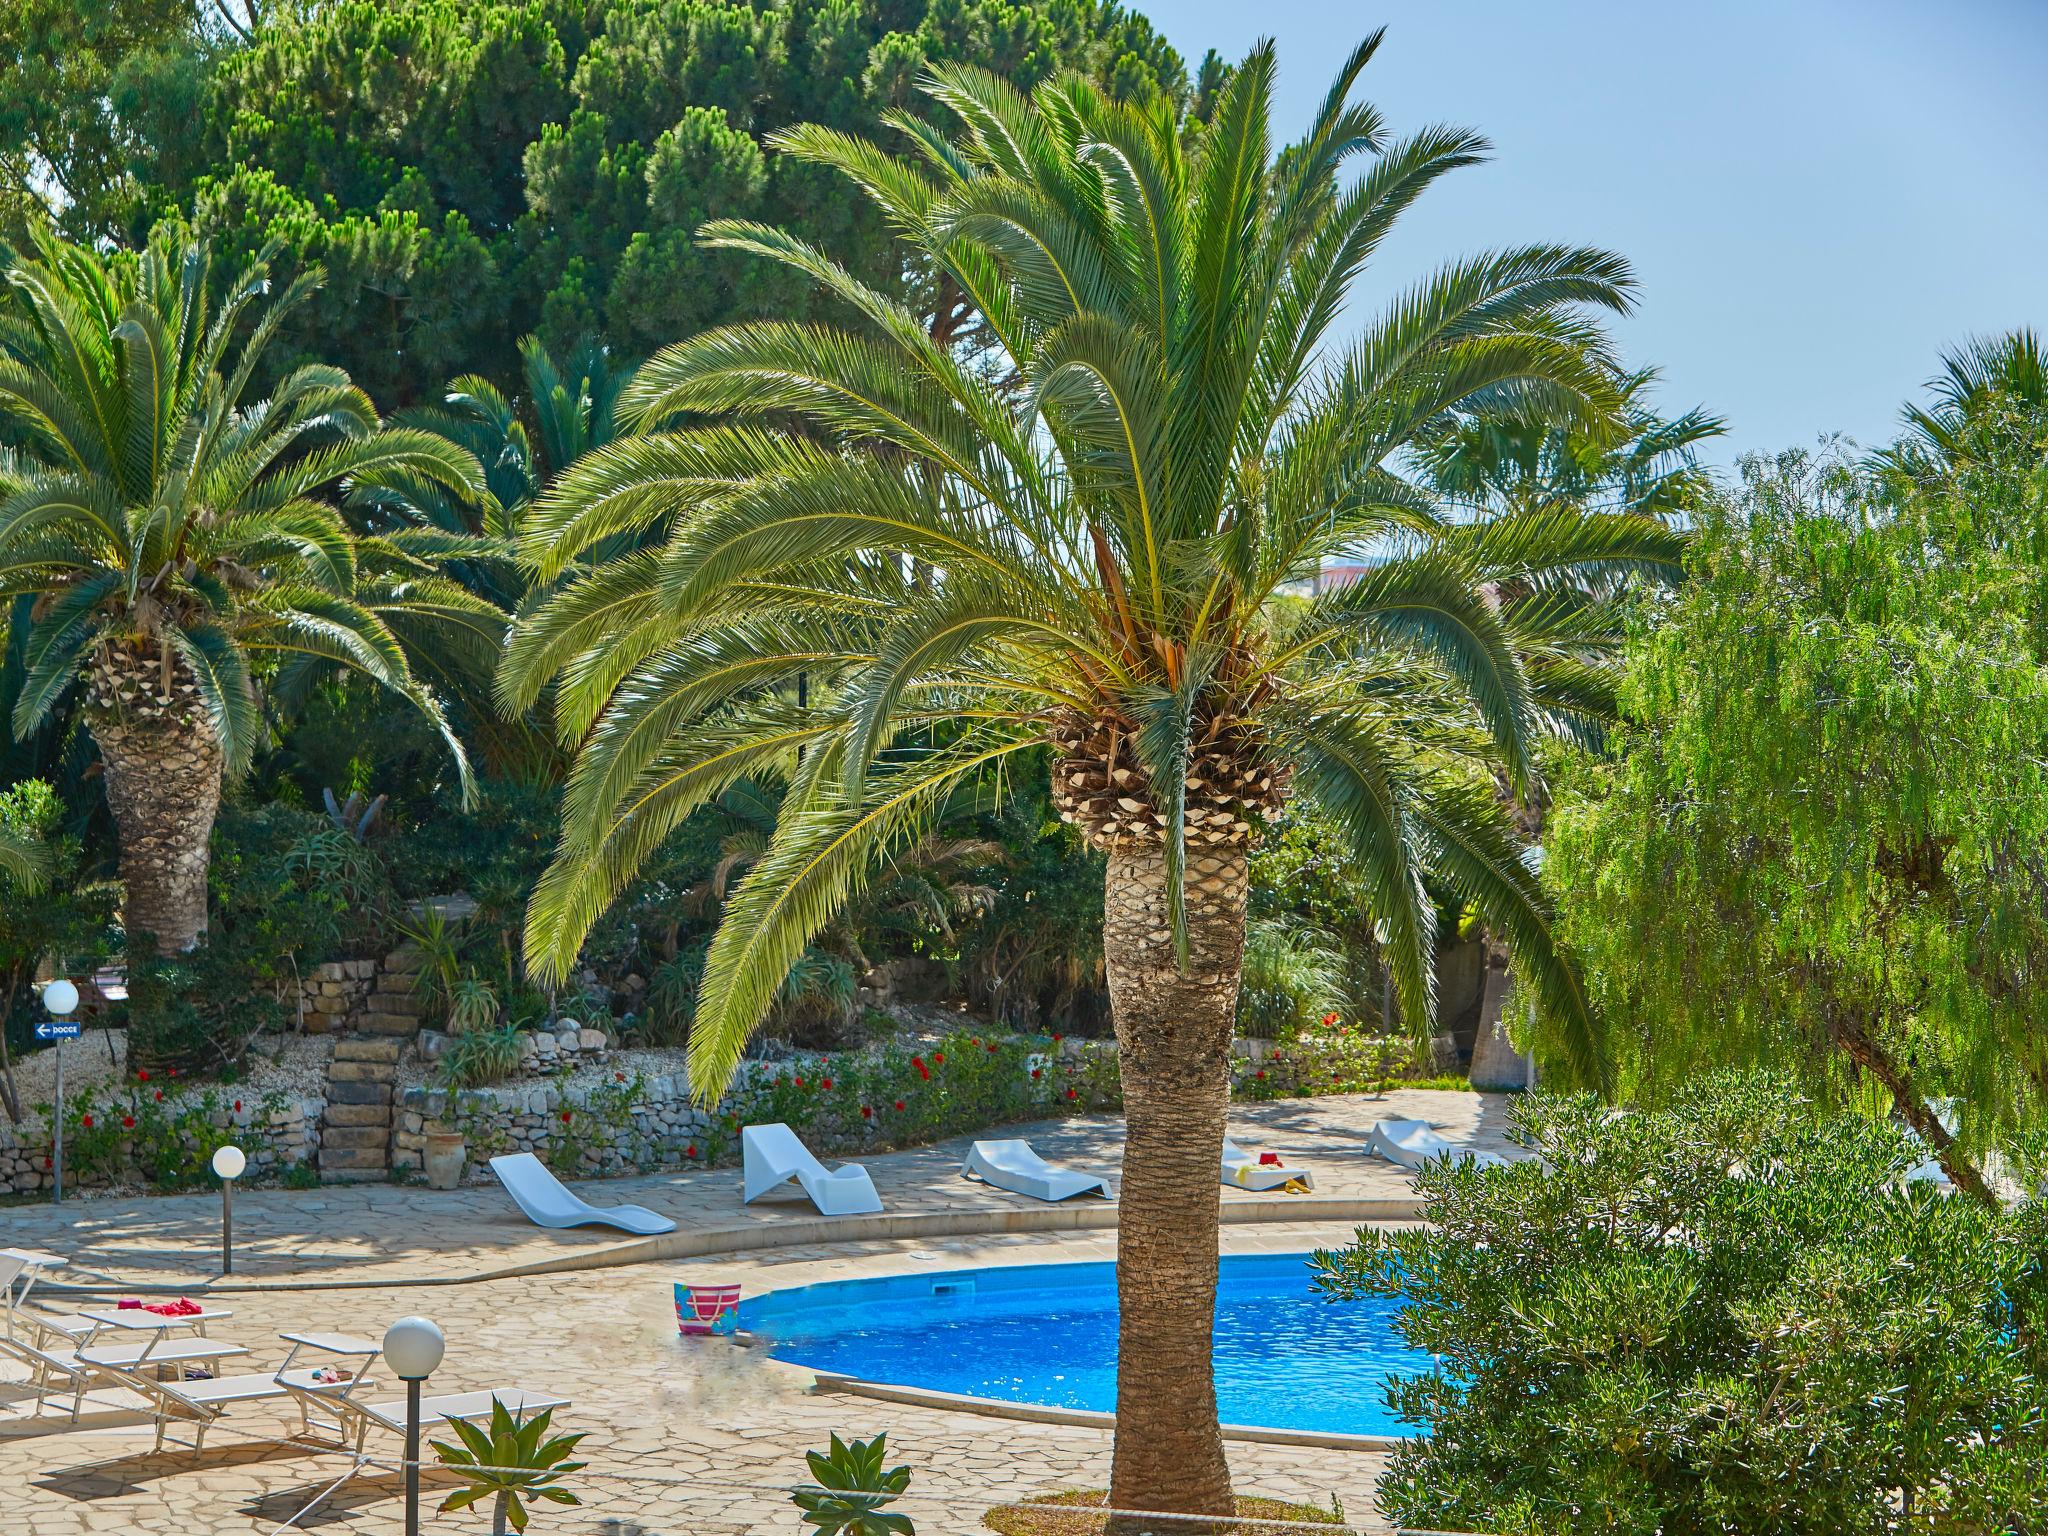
[(358, 1418), (62, 1366), (771, 1155), (1243, 1170), (547, 1202), (28, 1266), (198, 1403), (1015, 1166), (1411, 1143)]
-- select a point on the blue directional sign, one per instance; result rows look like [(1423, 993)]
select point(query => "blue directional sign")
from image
[(58, 1029)]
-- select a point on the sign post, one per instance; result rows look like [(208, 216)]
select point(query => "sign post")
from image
[(60, 997)]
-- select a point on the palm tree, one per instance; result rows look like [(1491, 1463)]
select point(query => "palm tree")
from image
[(420, 529), (1645, 463), (1079, 542), (1977, 379), (168, 528)]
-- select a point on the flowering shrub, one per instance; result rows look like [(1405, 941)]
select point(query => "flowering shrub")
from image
[(1327, 1057), (160, 1134)]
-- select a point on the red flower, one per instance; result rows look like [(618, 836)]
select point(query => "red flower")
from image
[(46, 1162), (159, 1095), (993, 1048), (1073, 1093), (565, 1117), (899, 1106), (1036, 1074), (799, 1082), (938, 1058), (86, 1122), (127, 1122), (826, 1084), (238, 1106), (174, 1071), (618, 1077), (974, 1039), (142, 1076), (866, 1113), (690, 1150), (1329, 1019), (1261, 1074), (1055, 1039), (923, 1071)]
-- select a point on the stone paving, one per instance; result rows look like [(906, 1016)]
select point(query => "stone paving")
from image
[(713, 1431), (375, 1232)]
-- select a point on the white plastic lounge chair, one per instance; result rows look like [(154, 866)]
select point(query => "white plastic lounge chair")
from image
[(53, 1368), (1243, 1170), (771, 1155), (1411, 1143), (548, 1203), (1014, 1166)]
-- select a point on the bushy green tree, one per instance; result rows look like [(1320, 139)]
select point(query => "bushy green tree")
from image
[(1819, 844), (1729, 1315), (465, 169)]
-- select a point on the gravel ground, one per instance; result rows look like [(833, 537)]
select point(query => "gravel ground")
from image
[(293, 1064)]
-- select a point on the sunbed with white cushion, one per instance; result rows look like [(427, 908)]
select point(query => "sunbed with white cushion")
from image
[(64, 1366), (26, 1265), (358, 1418), (1243, 1170), (547, 1202), (200, 1403), (1017, 1167), (1411, 1143), (771, 1155)]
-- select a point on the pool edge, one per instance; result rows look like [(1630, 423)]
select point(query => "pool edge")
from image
[(836, 1383)]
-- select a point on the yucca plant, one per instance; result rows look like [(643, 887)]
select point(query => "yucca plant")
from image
[(509, 1464), (169, 527), (1076, 542)]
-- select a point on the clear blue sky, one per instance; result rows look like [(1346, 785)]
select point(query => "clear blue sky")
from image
[(1818, 196)]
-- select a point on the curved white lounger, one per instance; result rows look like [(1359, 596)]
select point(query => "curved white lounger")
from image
[(1411, 1143), (771, 1155), (548, 1203), (1243, 1170), (1017, 1167)]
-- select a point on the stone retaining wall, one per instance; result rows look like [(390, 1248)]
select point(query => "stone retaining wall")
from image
[(611, 1135), (276, 1137), (331, 995)]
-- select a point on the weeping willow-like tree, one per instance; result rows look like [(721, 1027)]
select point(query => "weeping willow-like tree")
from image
[(1073, 539), (1820, 846)]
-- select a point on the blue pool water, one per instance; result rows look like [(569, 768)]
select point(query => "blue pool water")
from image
[(1046, 1333)]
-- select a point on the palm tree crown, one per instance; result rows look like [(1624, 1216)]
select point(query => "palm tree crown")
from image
[(156, 510), (1081, 536)]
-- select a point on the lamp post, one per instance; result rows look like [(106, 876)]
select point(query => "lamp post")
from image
[(228, 1163), (413, 1346), (60, 1000)]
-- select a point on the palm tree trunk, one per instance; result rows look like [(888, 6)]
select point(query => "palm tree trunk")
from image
[(163, 768), (1173, 1032)]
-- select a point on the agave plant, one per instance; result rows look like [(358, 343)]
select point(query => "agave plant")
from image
[(854, 1492), (169, 527), (1078, 544), (509, 1464)]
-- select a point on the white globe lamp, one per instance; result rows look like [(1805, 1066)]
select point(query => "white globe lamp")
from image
[(60, 997), (230, 1161), (413, 1347)]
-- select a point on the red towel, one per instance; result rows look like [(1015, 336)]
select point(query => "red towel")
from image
[(184, 1306), (1269, 1159)]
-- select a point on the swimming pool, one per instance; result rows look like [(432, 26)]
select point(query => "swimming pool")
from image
[(1046, 1333)]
